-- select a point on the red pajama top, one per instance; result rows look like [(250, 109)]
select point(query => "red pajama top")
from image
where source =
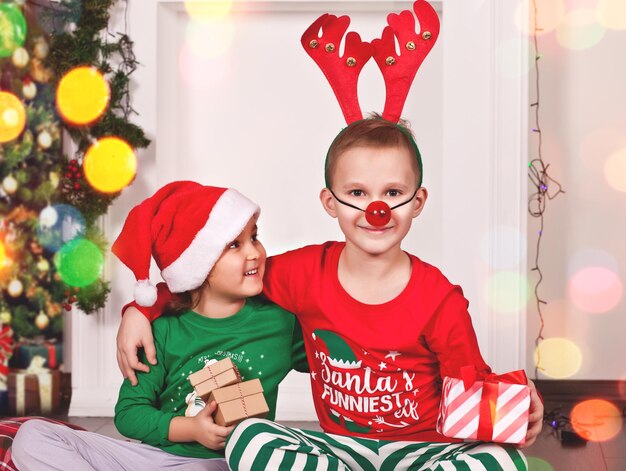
[(376, 370)]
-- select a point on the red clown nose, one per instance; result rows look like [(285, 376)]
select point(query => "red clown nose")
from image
[(378, 213)]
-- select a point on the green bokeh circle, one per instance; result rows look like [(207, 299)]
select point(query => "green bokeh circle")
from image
[(79, 262), (12, 29)]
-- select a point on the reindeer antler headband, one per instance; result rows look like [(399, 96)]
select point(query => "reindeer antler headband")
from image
[(398, 69), (321, 42)]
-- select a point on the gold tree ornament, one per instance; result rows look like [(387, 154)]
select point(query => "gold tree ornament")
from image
[(9, 184), (44, 139), (39, 72), (55, 179), (43, 265), (42, 321), (15, 288), (53, 309), (5, 317), (41, 48), (29, 89), (20, 58)]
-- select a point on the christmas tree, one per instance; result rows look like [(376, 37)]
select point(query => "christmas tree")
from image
[(60, 70)]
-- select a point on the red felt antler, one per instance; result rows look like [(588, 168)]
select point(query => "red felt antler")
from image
[(399, 69), (341, 72)]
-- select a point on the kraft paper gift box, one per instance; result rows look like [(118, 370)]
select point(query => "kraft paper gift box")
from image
[(34, 392), (238, 402), (217, 375), (492, 409)]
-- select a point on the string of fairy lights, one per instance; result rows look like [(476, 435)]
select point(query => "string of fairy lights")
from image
[(546, 188)]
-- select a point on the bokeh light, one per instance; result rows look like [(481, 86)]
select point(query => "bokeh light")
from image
[(210, 40), (110, 165), (596, 420), (595, 289), (511, 250), (599, 144), (611, 13), (580, 30), (208, 12), (551, 15), (502, 292), (537, 464), (82, 95), (558, 357), (3, 254), (202, 73), (12, 117), (12, 28), (59, 224), (591, 257), (615, 170), (507, 52), (79, 262)]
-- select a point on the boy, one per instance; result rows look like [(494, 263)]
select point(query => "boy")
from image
[(381, 327)]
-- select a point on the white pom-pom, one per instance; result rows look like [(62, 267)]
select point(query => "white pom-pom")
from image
[(145, 293)]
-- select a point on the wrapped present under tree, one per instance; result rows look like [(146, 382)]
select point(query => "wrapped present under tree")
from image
[(27, 349), (35, 390)]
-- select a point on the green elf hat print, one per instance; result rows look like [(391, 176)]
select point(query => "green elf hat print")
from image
[(340, 355)]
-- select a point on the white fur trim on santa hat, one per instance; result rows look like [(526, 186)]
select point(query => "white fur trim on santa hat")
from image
[(228, 218), (145, 293)]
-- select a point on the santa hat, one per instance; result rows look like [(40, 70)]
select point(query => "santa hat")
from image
[(185, 227)]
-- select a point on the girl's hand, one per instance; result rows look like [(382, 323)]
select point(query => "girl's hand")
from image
[(535, 419), (135, 332), (207, 432)]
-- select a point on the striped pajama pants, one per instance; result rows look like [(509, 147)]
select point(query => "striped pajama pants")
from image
[(260, 445)]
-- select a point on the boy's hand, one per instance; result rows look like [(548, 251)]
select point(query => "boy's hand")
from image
[(207, 432), (535, 419), (135, 332)]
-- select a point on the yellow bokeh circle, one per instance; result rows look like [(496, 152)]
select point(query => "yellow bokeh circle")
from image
[(558, 358), (208, 12), (12, 117), (110, 165), (82, 95)]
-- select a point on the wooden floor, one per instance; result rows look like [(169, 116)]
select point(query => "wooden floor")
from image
[(546, 454)]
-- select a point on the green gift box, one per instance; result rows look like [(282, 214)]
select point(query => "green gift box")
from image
[(24, 354)]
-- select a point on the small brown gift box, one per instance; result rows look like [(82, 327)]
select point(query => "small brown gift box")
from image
[(217, 375), (238, 402), (34, 393)]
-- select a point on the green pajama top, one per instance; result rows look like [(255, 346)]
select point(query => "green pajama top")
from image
[(263, 341)]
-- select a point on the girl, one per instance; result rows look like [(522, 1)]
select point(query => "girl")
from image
[(204, 240)]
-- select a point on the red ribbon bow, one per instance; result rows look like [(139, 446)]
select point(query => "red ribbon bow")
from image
[(6, 349), (489, 397)]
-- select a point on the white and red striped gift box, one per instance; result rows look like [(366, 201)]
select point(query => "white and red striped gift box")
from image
[(459, 412)]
